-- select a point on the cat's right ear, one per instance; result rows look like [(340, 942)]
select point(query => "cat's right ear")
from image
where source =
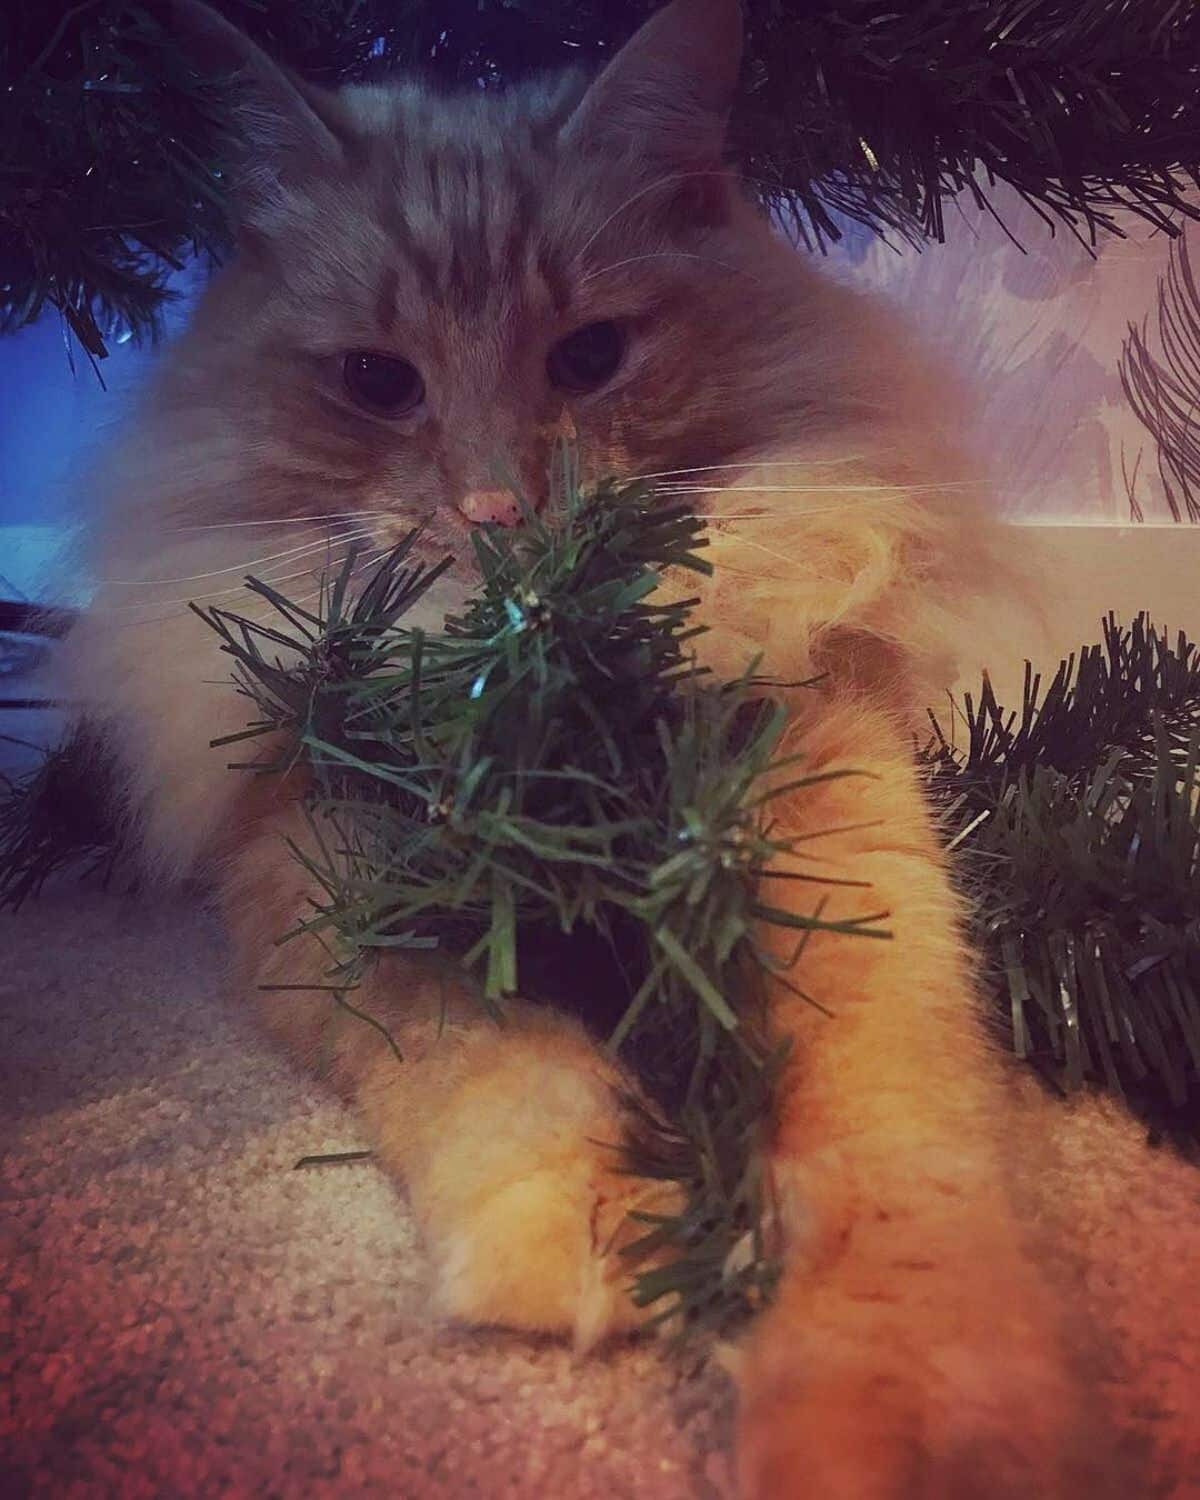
[(665, 98), (281, 128)]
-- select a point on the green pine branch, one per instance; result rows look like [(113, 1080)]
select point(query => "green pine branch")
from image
[(554, 762), (111, 150), (112, 147), (62, 818), (1075, 822)]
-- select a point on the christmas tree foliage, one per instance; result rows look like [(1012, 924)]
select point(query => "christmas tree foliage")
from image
[(555, 764), (1075, 823), (112, 141), (63, 816), (111, 145)]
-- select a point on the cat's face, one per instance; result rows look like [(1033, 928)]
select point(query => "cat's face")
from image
[(431, 289)]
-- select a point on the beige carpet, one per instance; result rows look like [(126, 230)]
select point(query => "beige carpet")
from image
[(186, 1315)]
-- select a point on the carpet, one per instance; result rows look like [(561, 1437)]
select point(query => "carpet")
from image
[(185, 1314)]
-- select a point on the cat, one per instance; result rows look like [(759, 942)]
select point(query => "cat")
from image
[(427, 290)]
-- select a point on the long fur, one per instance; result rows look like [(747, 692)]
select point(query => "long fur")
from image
[(469, 235)]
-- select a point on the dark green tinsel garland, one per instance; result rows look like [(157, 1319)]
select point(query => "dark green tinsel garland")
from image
[(115, 159), (1075, 823), (553, 765)]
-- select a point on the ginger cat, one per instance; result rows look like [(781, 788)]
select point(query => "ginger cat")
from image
[(424, 285)]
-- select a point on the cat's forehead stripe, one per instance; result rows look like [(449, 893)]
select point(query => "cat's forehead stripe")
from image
[(385, 303), (419, 259), (471, 235)]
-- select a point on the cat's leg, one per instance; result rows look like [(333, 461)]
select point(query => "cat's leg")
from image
[(504, 1136), (912, 1349)]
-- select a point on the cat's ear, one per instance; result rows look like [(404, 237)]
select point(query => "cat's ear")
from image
[(281, 127), (665, 97)]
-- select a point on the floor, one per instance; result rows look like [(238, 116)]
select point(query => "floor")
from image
[(184, 1313)]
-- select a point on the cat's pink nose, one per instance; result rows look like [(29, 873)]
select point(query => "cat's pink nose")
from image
[(498, 506)]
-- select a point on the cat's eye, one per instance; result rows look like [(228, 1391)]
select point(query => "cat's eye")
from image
[(588, 358), (382, 382)]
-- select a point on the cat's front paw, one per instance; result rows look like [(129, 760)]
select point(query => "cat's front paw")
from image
[(516, 1175), (862, 1403), (544, 1251), (860, 1433)]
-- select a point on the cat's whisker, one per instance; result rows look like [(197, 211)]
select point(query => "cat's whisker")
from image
[(754, 463), (184, 600), (266, 608), (745, 541), (333, 515), (237, 567), (775, 512), (634, 260), (652, 187), (815, 489), (257, 611)]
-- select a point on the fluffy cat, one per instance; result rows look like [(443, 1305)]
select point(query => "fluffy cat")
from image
[(426, 288)]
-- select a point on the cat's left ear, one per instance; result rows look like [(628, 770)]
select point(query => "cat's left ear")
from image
[(665, 98), (282, 127)]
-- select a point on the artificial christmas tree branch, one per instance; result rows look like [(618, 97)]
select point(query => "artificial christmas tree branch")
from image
[(64, 816), (112, 145), (1075, 823), (554, 763)]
